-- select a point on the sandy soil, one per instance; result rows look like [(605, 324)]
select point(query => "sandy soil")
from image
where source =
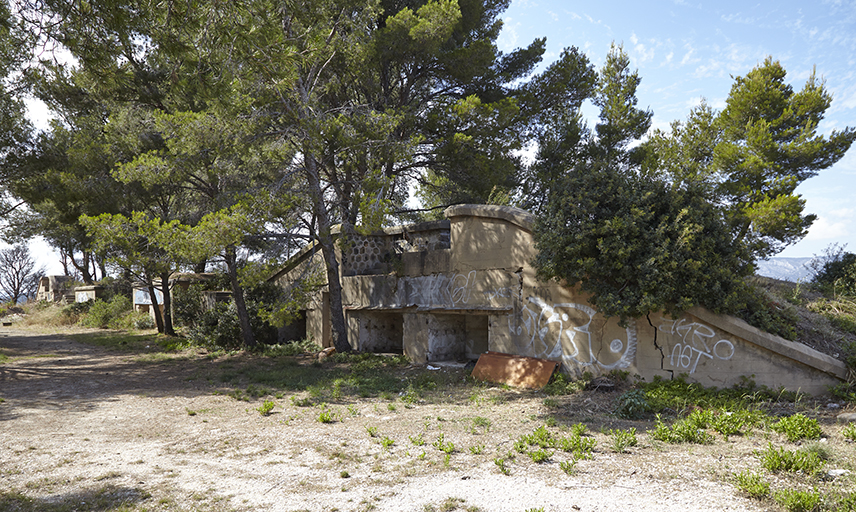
[(83, 424)]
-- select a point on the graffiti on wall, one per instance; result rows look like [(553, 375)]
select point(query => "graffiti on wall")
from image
[(562, 330), (557, 331), (697, 341), (446, 289)]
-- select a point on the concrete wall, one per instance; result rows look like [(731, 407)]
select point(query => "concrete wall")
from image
[(481, 293)]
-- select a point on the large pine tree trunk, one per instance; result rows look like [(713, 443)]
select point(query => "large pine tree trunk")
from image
[(168, 328), (238, 296), (154, 299), (338, 326)]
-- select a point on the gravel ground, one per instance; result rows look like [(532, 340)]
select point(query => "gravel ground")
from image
[(80, 424)]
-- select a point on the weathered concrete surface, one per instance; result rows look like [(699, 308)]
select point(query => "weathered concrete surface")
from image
[(480, 293)]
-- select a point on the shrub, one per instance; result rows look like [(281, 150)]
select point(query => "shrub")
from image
[(836, 270), (108, 314), (766, 312), (632, 405)]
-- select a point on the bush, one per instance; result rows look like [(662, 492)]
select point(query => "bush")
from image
[(219, 328), (766, 312), (632, 405), (108, 314), (75, 311), (836, 271)]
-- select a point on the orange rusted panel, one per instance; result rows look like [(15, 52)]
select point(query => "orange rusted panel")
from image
[(519, 371)]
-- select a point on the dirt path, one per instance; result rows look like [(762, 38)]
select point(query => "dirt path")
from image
[(83, 428)]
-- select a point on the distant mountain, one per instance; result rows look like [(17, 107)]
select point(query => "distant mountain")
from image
[(785, 269)]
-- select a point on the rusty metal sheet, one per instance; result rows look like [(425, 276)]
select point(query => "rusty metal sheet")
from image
[(519, 371)]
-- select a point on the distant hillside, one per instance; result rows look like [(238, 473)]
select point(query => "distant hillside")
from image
[(785, 269)]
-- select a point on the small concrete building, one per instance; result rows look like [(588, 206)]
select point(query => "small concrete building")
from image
[(456, 288), (89, 292), (55, 289), (142, 300)]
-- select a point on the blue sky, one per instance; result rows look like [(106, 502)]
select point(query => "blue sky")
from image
[(687, 50)]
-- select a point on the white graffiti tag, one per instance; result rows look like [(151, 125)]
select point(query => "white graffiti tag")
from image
[(696, 342), (562, 331)]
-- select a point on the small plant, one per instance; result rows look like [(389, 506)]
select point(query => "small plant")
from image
[(798, 427), (687, 430), (540, 455), (344, 474), (622, 439), (266, 407), (326, 416), (418, 440), (500, 463), (301, 402), (391, 406), (372, 431), (579, 429), (568, 466), (753, 485), (445, 447), (482, 422), (353, 411), (386, 442), (477, 450), (849, 432), (798, 501), (781, 460)]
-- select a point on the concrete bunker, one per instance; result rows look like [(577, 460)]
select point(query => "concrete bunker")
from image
[(456, 288)]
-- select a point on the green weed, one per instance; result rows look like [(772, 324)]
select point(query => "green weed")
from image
[(266, 408), (500, 463), (753, 485), (477, 450), (372, 431), (849, 432), (418, 440), (540, 455), (446, 447), (798, 501), (568, 466), (781, 460), (798, 427), (326, 416), (386, 442), (622, 439)]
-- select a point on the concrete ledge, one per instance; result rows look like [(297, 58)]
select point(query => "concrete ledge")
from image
[(790, 349), (516, 216)]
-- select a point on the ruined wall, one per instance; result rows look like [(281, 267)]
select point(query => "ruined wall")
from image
[(480, 293)]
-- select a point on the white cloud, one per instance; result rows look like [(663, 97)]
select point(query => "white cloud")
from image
[(824, 229), (633, 38), (507, 40), (688, 57), (669, 57)]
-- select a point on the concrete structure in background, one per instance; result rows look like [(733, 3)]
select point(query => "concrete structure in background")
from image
[(55, 289), (87, 293), (456, 288), (142, 300)]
